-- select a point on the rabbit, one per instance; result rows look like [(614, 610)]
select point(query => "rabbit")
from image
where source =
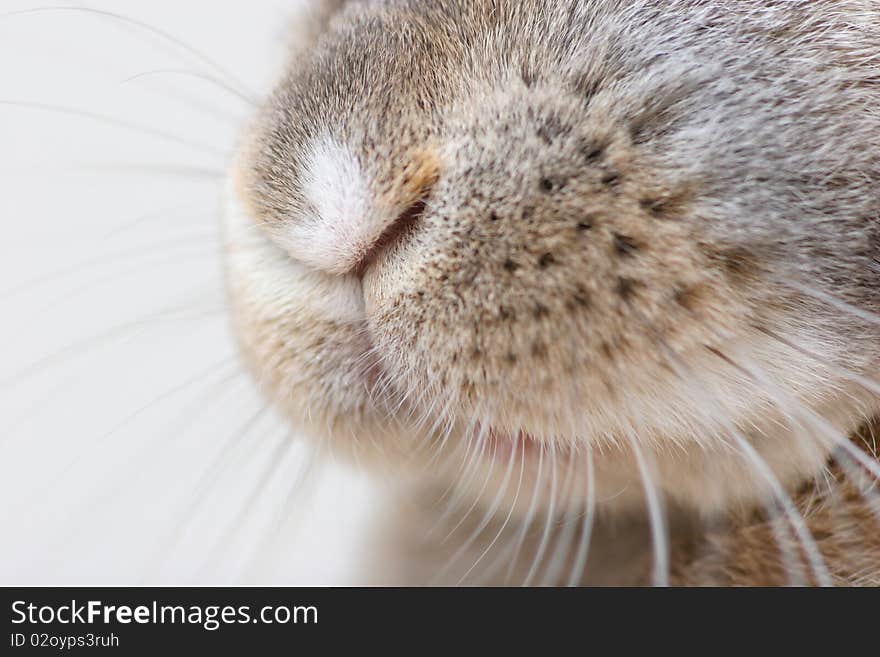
[(592, 285)]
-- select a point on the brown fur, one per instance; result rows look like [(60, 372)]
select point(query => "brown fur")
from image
[(842, 513), (640, 231)]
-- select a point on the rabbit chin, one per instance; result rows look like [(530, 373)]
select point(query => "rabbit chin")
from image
[(302, 333)]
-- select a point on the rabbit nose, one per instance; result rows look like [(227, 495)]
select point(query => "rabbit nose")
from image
[(353, 216), (393, 232)]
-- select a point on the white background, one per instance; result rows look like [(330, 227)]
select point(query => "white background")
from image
[(130, 446)]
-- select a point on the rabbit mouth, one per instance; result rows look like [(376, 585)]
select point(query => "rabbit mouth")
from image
[(366, 361)]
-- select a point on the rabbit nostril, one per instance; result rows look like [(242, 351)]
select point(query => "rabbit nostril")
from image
[(393, 233), (353, 213)]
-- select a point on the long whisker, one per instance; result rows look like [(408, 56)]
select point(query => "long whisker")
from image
[(8, 432), (272, 542), (548, 524), (193, 52), (656, 514), (251, 102), (789, 509), (530, 514), (112, 121), (487, 518), (77, 348), (206, 481), (59, 478), (500, 532), (866, 383), (196, 251), (177, 171), (477, 497), (564, 539), (457, 490), (124, 256), (817, 563), (838, 439), (814, 555), (175, 211), (831, 300), (270, 468), (868, 487), (686, 374), (580, 560)]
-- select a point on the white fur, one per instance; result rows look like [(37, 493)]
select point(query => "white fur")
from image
[(276, 281), (340, 231)]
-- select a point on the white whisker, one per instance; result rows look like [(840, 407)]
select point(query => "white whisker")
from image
[(580, 561), (510, 512), (113, 122), (251, 102), (656, 514), (526, 522), (151, 29), (548, 524)]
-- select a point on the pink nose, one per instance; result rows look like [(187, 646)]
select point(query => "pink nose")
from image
[(352, 217)]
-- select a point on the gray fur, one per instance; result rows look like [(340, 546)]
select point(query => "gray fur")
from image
[(621, 185)]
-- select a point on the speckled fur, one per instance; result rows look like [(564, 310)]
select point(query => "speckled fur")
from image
[(622, 223)]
